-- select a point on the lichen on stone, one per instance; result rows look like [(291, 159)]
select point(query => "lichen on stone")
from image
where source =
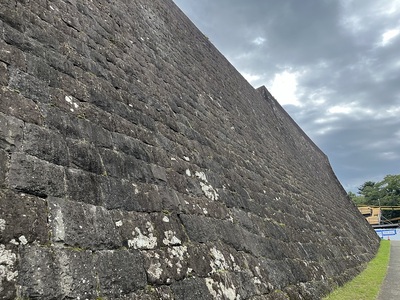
[(207, 188), (220, 291), (219, 263), (141, 241), (7, 263), (2, 225), (171, 239)]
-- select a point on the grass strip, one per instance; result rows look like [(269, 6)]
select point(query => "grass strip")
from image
[(367, 284)]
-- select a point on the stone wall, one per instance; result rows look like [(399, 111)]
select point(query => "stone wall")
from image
[(137, 163)]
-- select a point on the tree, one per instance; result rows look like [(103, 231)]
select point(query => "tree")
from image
[(358, 200), (371, 192)]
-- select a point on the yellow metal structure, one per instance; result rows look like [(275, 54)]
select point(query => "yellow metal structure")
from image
[(371, 213)]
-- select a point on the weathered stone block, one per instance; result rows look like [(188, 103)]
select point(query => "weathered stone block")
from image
[(235, 236), (131, 146), (202, 206), (82, 225), (159, 156), (84, 156), (79, 127), (158, 172), (12, 56), (169, 198), (39, 273), (33, 176), (151, 293), (4, 74), (23, 219), (122, 194), (120, 165), (78, 278), (39, 68), (15, 38), (229, 285), (191, 289), (169, 229), (200, 229), (58, 121), (97, 134), (96, 116), (29, 86), (14, 104), (54, 150), (180, 182), (83, 186), (12, 16), (56, 274), (199, 258), (68, 75), (119, 272), (4, 165), (137, 230), (164, 267)]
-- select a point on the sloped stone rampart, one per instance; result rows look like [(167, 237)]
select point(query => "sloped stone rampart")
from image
[(137, 163)]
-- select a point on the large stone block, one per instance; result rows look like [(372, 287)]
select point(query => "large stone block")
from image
[(200, 229), (4, 74), (39, 273), (69, 84), (54, 150), (39, 68), (84, 156), (199, 259), (4, 165), (29, 86), (23, 219), (15, 38), (137, 230), (11, 132), (31, 175), (192, 289), (14, 104), (126, 195), (120, 165), (56, 274), (12, 56), (164, 267), (83, 186), (82, 225), (119, 272), (78, 278)]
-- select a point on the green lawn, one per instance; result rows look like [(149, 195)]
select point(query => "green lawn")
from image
[(367, 284)]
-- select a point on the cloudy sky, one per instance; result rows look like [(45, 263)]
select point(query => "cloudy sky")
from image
[(334, 65)]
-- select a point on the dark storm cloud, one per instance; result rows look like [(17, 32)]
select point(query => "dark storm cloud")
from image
[(346, 60)]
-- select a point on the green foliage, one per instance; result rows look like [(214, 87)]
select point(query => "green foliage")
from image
[(382, 193), (366, 286), (371, 192), (358, 200)]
